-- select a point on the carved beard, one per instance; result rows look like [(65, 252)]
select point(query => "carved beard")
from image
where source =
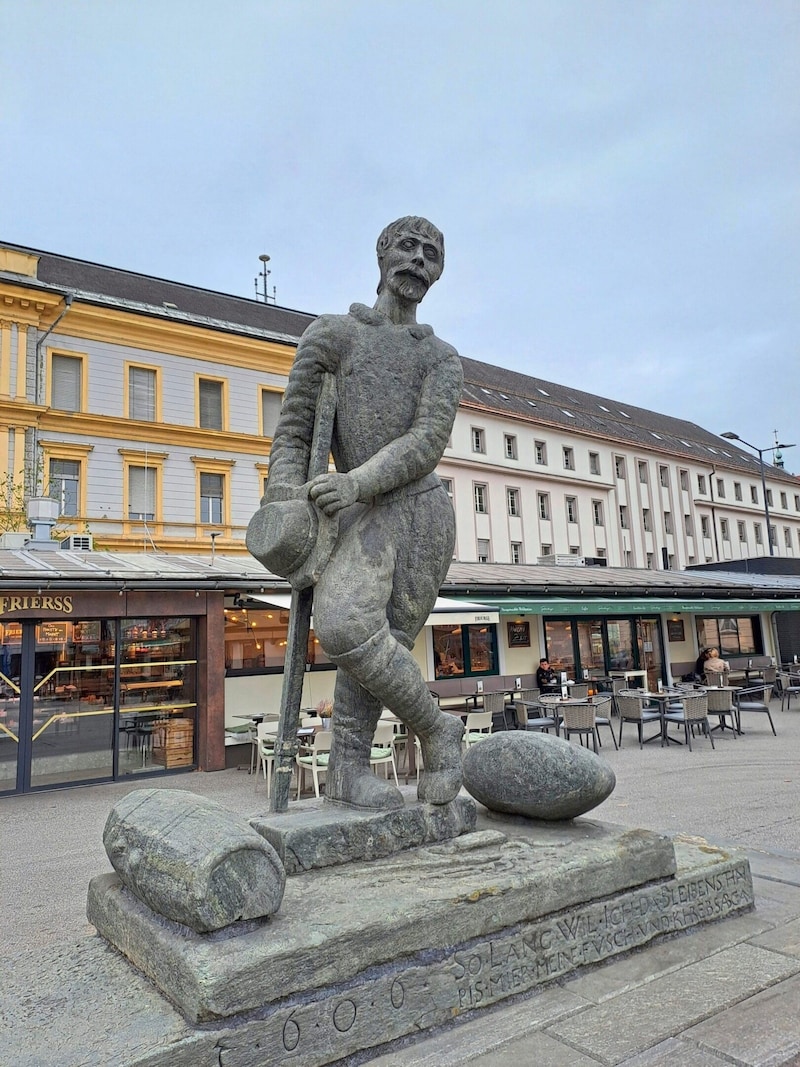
[(408, 286)]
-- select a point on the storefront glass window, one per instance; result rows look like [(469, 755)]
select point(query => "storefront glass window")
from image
[(464, 650), (255, 640), (620, 644), (732, 636), (560, 646)]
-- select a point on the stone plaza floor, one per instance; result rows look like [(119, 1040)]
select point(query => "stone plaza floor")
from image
[(728, 994)]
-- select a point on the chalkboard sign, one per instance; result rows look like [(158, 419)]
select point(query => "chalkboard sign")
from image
[(675, 630), (519, 635)]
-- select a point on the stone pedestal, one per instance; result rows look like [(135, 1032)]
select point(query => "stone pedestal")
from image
[(366, 953)]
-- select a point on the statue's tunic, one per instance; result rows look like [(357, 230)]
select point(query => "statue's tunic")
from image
[(398, 389)]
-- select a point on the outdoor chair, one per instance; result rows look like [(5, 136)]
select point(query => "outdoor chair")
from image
[(602, 710), (538, 717), (715, 678), (521, 713), (266, 735), (479, 727), (631, 708), (720, 702), (499, 709), (579, 691), (314, 758), (579, 719), (788, 687), (754, 699), (693, 712), (382, 751)]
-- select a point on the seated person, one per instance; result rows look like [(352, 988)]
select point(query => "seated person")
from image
[(716, 665), (546, 678)]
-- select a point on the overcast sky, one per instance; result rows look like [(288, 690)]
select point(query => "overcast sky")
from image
[(618, 182)]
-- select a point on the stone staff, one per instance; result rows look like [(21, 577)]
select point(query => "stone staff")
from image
[(290, 536)]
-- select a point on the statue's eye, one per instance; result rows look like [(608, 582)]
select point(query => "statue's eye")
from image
[(431, 252), (407, 243)]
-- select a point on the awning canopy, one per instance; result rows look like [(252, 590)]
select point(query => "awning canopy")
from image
[(446, 611), (590, 606)]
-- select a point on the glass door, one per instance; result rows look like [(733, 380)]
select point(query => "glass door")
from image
[(72, 736), (648, 637), (10, 657)]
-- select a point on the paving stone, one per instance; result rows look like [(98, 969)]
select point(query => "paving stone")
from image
[(537, 1048), (775, 901), (635, 1021), (764, 1031), (785, 938), (675, 1052)]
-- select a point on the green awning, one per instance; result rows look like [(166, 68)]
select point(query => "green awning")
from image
[(591, 606)]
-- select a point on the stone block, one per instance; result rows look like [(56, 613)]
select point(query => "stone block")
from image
[(323, 835)]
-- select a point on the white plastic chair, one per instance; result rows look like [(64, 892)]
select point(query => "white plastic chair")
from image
[(479, 727), (266, 734), (382, 751), (314, 758)]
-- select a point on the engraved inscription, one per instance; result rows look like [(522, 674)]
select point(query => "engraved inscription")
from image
[(344, 1015)]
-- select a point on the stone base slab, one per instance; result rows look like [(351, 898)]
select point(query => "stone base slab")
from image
[(336, 923), (317, 833)]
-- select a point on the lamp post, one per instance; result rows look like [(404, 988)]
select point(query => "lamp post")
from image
[(730, 436)]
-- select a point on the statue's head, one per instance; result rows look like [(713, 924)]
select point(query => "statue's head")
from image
[(410, 256)]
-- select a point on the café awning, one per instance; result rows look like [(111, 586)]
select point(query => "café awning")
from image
[(446, 611), (593, 606)]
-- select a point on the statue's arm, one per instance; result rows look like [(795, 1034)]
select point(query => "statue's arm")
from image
[(291, 445), (411, 455)]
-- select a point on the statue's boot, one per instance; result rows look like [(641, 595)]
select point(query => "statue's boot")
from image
[(349, 778), (388, 670)]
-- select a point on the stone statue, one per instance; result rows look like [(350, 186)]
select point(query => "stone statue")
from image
[(381, 529)]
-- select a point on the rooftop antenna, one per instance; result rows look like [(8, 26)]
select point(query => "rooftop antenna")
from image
[(263, 294), (778, 456)]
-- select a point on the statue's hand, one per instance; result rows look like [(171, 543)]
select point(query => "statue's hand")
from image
[(332, 492)]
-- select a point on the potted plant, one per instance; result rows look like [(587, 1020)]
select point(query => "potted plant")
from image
[(325, 711)]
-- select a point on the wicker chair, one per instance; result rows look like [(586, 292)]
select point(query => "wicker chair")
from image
[(520, 711), (602, 709), (693, 712), (788, 687), (720, 702), (579, 691), (754, 698), (500, 710), (631, 708), (579, 719), (538, 717)]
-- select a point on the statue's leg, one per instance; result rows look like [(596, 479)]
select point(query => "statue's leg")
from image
[(349, 779), (390, 672)]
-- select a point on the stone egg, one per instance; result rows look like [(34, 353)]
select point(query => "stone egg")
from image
[(533, 774)]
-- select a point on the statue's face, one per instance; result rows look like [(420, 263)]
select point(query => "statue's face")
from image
[(410, 264)]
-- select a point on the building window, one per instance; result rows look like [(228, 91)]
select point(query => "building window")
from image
[(574, 550), (732, 636), (737, 490), (516, 552), (769, 498), (483, 550), (510, 445), (572, 508), (784, 502), (569, 458), (547, 550), (478, 439), (753, 494), (141, 493), (742, 528), (142, 393), (212, 498), (447, 484), (721, 488), (464, 650), (270, 411), (787, 537), (687, 525), (594, 462), (668, 522), (663, 475), (623, 516), (481, 494), (650, 560), (65, 485), (543, 503), (647, 522), (773, 535), (701, 483), (684, 480), (512, 500), (540, 451), (705, 526), (797, 501), (619, 466), (66, 383), (628, 557), (757, 533), (597, 512), (211, 403), (725, 529), (641, 467)]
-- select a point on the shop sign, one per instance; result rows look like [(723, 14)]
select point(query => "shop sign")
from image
[(38, 602)]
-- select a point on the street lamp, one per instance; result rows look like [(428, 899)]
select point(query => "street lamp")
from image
[(735, 437)]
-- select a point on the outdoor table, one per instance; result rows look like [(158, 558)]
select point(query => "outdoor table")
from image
[(662, 698), (628, 675)]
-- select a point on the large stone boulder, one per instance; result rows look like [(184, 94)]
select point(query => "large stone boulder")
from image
[(533, 774), (192, 861)]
